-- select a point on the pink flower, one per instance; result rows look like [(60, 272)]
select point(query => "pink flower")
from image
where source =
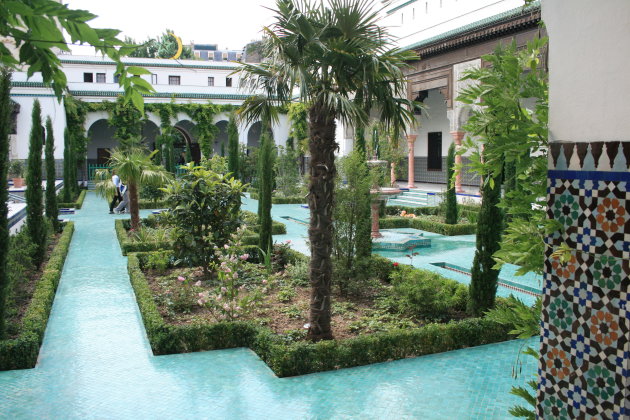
[(201, 302), (244, 257), (226, 246), (198, 283), (218, 297), (227, 269), (182, 279), (226, 307), (238, 308), (288, 241), (242, 288), (223, 290), (235, 275), (264, 281)]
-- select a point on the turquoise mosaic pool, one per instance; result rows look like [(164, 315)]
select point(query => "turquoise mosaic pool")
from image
[(96, 363)]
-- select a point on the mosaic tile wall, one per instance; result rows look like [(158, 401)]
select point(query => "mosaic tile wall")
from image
[(585, 352)]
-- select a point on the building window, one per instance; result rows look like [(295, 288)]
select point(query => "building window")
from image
[(100, 78), (228, 81), (210, 81), (174, 80), (154, 79), (434, 152), (116, 78), (88, 77)]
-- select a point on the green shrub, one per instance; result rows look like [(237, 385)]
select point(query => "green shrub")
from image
[(75, 204), (395, 210), (427, 225), (427, 295), (297, 199), (22, 352)]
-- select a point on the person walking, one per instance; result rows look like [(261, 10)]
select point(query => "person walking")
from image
[(125, 199), (117, 196)]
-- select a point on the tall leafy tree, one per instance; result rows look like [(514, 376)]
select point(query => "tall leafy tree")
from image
[(5, 123), (39, 26), (127, 123), (233, 152), (484, 275), (52, 211), (135, 168), (35, 223), (329, 53), (451, 197), (266, 178)]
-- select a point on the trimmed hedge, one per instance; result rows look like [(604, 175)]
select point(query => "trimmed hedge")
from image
[(75, 204), (428, 225), (127, 245), (297, 199), (22, 352), (302, 358), (395, 210)]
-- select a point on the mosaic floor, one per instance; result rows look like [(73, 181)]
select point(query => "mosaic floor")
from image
[(96, 363)]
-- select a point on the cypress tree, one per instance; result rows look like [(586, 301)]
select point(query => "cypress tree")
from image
[(233, 152), (265, 188), (5, 121), (484, 281), (52, 211), (359, 141), (68, 167), (451, 198), (35, 223)]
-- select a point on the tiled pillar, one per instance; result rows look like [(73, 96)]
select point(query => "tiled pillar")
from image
[(585, 328), (411, 140), (458, 136)]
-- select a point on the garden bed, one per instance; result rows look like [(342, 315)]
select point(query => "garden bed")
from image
[(75, 204), (21, 349), (366, 331)]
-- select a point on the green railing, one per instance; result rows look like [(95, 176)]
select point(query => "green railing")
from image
[(92, 168)]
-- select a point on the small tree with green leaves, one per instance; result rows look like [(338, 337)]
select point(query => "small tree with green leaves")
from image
[(204, 210), (5, 123), (35, 222), (287, 172), (352, 243), (52, 211), (484, 275), (265, 188), (69, 168), (451, 198), (233, 149)]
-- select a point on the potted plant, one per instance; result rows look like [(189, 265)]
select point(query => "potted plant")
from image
[(16, 171)]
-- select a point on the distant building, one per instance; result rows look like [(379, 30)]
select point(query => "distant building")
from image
[(211, 52), (92, 79)]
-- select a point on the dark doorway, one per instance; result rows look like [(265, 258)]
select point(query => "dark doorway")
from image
[(102, 156), (434, 152)]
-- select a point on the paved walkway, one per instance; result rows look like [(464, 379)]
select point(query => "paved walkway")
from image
[(96, 363)]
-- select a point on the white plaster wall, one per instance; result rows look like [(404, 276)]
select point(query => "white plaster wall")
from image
[(589, 58), (50, 108), (433, 119), (424, 19)]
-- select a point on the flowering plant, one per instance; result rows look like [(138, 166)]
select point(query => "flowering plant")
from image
[(229, 300)]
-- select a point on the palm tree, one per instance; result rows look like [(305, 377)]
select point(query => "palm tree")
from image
[(135, 168), (340, 63)]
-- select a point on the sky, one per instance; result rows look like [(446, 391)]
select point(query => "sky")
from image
[(228, 23)]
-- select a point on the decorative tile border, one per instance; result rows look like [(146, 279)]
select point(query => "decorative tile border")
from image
[(585, 328)]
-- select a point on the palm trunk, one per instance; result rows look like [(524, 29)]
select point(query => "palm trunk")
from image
[(320, 232), (133, 206)]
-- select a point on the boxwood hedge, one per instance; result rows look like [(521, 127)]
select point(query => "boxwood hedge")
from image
[(21, 352)]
